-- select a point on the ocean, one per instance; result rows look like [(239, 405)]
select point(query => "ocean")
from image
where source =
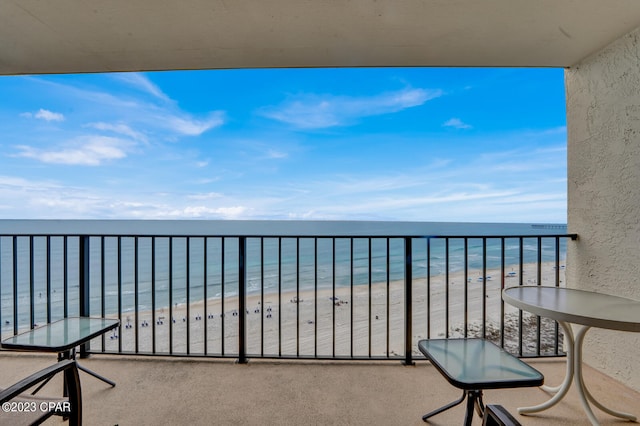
[(181, 263)]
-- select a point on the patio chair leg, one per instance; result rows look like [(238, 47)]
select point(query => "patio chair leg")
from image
[(41, 385), (444, 408), (96, 375)]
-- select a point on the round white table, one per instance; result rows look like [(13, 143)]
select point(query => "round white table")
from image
[(584, 309)]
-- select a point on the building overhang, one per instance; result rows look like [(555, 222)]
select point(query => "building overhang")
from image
[(70, 36)]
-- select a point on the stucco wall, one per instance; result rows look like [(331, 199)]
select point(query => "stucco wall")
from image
[(603, 126)]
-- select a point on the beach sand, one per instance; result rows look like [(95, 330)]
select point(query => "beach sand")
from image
[(345, 322)]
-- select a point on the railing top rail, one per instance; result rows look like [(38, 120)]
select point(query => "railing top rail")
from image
[(292, 236), (269, 228)]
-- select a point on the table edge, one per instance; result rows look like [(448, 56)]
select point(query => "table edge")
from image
[(36, 348), (502, 384)]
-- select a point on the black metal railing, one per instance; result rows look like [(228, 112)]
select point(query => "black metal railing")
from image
[(321, 297)]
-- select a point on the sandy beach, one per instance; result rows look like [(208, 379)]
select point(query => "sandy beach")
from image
[(343, 322)]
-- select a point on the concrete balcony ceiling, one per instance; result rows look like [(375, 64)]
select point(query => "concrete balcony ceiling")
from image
[(70, 36)]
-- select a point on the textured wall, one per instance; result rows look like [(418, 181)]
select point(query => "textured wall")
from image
[(603, 126)]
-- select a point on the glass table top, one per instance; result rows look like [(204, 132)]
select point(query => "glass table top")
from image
[(478, 364), (60, 335)]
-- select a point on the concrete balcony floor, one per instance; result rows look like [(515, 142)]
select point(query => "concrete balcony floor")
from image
[(178, 391)]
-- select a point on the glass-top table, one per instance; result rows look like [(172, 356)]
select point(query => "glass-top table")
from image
[(478, 364), (474, 365), (62, 336)]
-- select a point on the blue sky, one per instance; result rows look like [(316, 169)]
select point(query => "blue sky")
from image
[(411, 144)]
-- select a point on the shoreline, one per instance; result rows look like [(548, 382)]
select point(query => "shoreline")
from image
[(355, 323)]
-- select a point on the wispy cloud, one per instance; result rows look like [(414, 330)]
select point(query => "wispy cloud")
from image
[(315, 111), (120, 128), (233, 212), (44, 114), (142, 82), (456, 123), (127, 108), (88, 151), (205, 196), (192, 127), (272, 153)]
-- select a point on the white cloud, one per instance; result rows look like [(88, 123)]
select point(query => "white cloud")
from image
[(314, 112), (192, 127), (88, 151), (205, 196), (142, 82), (129, 109), (276, 154), (456, 123), (187, 212), (119, 128), (20, 184), (47, 115), (44, 114)]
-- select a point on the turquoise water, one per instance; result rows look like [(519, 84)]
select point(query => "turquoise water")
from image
[(295, 263)]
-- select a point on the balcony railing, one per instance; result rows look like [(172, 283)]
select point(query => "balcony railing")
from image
[(303, 296)]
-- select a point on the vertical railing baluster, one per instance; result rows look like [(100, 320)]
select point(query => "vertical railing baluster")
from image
[(539, 279), (119, 263), (315, 297), (557, 261), (205, 283), (49, 280), (32, 313), (222, 296), (136, 296), (408, 301), (15, 285), (370, 297), (187, 283), (428, 287), (65, 278), (170, 280), (242, 359), (446, 287), (84, 280), (388, 260), (466, 287), (279, 296), (262, 308), (502, 285), (154, 319), (102, 286), (333, 295), (352, 302), (520, 315), (484, 287)]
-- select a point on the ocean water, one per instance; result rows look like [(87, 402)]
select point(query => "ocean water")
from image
[(137, 270)]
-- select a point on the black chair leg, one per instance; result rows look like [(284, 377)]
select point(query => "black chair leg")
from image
[(444, 408)]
